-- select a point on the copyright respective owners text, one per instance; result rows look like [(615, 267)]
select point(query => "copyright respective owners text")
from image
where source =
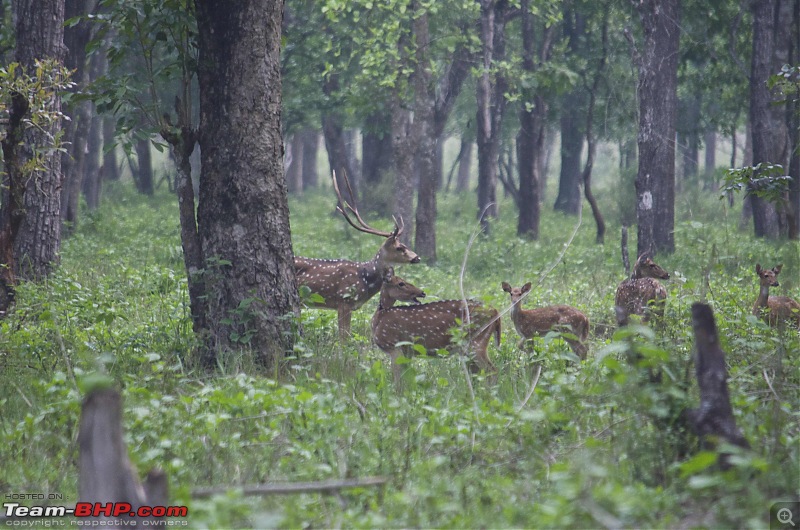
[(784, 515)]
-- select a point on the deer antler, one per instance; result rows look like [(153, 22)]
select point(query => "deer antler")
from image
[(342, 207)]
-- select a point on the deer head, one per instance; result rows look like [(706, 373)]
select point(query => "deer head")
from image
[(392, 251), (396, 289), (768, 277), (645, 267)]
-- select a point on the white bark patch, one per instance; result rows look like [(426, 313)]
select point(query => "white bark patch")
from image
[(646, 202)]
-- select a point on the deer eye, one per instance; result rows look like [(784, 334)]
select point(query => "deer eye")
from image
[(402, 284)]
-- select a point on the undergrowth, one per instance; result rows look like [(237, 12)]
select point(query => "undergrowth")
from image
[(596, 444)]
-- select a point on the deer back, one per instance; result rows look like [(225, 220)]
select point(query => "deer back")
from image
[(643, 289), (539, 321)]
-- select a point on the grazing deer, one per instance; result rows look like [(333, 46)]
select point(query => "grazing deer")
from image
[(774, 309), (430, 325), (537, 322), (346, 285), (636, 295)]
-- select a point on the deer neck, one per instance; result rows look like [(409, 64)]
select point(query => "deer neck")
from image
[(386, 301), (516, 311), (370, 273), (763, 296), (637, 274)]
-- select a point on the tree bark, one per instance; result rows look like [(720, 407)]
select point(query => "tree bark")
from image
[(376, 143), (491, 106), (767, 123), (404, 146), (710, 159), (427, 140), (93, 181), (40, 34), (655, 180), (243, 215)]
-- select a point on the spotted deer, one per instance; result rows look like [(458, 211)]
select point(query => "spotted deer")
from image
[(642, 294), (346, 285), (431, 325), (538, 322), (774, 309)]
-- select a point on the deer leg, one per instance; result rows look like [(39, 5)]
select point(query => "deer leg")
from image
[(397, 369), (578, 347), (345, 314)]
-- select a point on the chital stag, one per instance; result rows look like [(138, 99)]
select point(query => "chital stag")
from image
[(774, 309), (346, 285), (430, 325), (538, 322), (643, 294)]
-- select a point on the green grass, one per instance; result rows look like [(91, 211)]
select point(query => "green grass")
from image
[(595, 444)]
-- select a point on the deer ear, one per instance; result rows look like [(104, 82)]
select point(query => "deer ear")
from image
[(777, 269), (758, 268), (506, 287), (388, 274), (526, 287)]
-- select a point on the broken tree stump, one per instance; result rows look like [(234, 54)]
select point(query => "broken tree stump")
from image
[(105, 471), (713, 420)]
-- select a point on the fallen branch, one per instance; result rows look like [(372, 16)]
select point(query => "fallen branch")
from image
[(325, 486)]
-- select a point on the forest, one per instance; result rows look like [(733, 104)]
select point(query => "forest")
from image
[(400, 263)]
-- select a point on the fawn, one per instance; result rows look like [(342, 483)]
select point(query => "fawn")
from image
[(430, 324), (774, 309), (537, 322), (642, 294)]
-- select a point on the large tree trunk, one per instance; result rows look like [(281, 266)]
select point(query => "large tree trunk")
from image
[(243, 215), (40, 34), (425, 236), (491, 106), (310, 149), (572, 120), (655, 181), (794, 132)]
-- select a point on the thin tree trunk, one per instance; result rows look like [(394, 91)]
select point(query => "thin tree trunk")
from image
[(425, 235), (464, 165), (710, 160), (333, 131), (92, 183), (403, 150), (376, 160), (294, 171), (110, 169), (491, 106), (144, 167), (310, 149)]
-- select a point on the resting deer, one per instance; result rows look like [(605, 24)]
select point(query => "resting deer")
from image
[(642, 294), (346, 285), (774, 309), (537, 322), (430, 324)]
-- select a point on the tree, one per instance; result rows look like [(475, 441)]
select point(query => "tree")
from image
[(490, 94), (40, 35), (655, 180), (769, 133), (243, 215)]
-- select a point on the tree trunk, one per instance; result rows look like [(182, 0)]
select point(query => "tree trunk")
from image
[(572, 120), (144, 167), (491, 106), (93, 181), (403, 150), (766, 119), (376, 143), (310, 149), (294, 170), (425, 102), (464, 165), (76, 132), (40, 34), (333, 131), (655, 181), (710, 160), (110, 169), (243, 215)]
